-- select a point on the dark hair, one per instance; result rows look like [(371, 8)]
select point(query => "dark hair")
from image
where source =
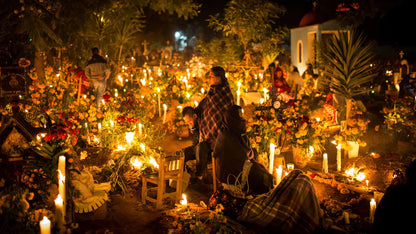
[(218, 71), (188, 110), (95, 50)]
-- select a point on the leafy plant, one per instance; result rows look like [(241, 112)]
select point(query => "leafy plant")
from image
[(348, 69)]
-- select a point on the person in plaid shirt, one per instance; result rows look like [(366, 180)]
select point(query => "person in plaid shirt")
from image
[(211, 111)]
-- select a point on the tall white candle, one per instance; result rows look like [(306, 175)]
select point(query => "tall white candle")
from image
[(158, 102), (265, 93), (325, 163), (61, 164), (271, 158), (165, 107), (372, 209), (45, 225), (238, 97), (140, 130), (59, 211), (61, 189), (99, 127), (279, 172), (339, 157)]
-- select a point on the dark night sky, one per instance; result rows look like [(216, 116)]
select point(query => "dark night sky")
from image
[(391, 24)]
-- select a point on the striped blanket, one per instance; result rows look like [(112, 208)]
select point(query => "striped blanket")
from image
[(292, 207)]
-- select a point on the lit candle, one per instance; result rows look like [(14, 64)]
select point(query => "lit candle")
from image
[(165, 107), (238, 97), (290, 166), (140, 130), (325, 163), (372, 209), (129, 137), (45, 226), (339, 157), (271, 158), (346, 217), (265, 93), (366, 183), (61, 189), (158, 101), (279, 174), (59, 211), (99, 127), (184, 201)]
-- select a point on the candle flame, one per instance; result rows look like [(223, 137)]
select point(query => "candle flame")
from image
[(153, 162), (136, 163), (184, 201), (61, 177)]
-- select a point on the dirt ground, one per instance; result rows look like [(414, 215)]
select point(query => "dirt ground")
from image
[(126, 214)]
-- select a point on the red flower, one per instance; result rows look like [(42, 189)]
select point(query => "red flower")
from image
[(106, 98), (62, 115), (62, 134), (49, 136), (72, 131)]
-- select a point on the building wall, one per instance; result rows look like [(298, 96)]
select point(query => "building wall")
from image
[(300, 35)]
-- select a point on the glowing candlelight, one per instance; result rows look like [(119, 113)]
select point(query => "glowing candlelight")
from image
[(279, 174), (136, 163), (372, 209), (290, 166), (140, 130), (143, 147), (165, 107), (184, 201), (261, 100), (45, 226), (202, 90), (99, 127), (238, 97), (158, 101), (129, 137), (61, 190), (59, 211), (153, 162), (120, 79), (325, 163), (339, 157), (366, 183), (195, 103), (271, 158), (265, 93)]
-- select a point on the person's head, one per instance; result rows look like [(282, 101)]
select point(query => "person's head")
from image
[(189, 116), (95, 50), (216, 75), (278, 72)]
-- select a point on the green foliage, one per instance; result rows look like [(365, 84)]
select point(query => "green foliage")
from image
[(221, 52), (347, 60), (251, 21)]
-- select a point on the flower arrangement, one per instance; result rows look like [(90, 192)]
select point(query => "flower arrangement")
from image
[(399, 118), (354, 131)]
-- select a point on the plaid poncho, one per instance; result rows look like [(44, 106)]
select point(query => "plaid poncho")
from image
[(292, 207), (212, 109)]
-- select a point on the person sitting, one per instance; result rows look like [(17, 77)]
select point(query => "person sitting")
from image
[(194, 152), (232, 148)]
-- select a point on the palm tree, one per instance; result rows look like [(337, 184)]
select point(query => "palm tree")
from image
[(347, 60)]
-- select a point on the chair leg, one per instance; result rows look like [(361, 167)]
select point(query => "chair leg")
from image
[(160, 190), (144, 190)]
